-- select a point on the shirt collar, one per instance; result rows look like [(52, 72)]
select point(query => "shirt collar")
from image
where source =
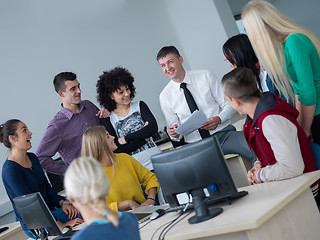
[(68, 113), (186, 79)]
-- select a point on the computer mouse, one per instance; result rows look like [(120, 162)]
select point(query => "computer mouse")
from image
[(158, 213)]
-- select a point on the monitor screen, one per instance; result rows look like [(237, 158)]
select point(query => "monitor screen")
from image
[(35, 214), (194, 168)]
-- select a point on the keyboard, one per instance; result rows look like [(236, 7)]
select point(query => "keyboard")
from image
[(209, 201)]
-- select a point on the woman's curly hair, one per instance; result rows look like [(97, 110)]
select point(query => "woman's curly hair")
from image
[(111, 81)]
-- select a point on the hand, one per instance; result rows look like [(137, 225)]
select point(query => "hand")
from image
[(172, 131), (308, 133), (148, 202), (122, 140), (103, 113), (211, 124), (73, 222), (257, 165), (146, 123), (252, 173), (70, 210), (122, 206)]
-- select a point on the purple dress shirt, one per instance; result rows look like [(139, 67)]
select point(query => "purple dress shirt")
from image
[(64, 134)]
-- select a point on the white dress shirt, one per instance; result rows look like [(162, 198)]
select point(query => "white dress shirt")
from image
[(263, 78), (207, 92)]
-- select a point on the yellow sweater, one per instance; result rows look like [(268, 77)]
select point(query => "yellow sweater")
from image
[(125, 181)]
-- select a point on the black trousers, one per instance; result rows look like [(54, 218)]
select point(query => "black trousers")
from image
[(315, 129)]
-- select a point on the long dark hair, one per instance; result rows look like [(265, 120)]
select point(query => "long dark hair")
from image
[(238, 50)]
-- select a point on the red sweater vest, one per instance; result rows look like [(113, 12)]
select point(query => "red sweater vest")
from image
[(258, 143)]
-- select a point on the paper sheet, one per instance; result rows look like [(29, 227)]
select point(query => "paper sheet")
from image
[(194, 122)]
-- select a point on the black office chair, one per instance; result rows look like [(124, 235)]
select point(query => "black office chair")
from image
[(56, 180)]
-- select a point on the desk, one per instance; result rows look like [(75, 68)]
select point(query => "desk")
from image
[(14, 232), (275, 210)]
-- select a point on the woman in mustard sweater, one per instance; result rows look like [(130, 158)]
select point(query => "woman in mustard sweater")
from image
[(124, 172)]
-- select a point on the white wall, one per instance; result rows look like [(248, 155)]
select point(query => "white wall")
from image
[(304, 13), (40, 38), (201, 32)]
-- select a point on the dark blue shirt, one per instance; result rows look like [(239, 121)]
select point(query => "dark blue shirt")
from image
[(19, 181), (128, 230), (273, 89)]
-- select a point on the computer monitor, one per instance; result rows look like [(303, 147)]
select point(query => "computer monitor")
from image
[(36, 215), (194, 168)]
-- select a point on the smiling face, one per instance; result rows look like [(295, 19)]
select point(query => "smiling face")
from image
[(72, 93), (110, 140), (22, 137), (121, 96), (172, 67)]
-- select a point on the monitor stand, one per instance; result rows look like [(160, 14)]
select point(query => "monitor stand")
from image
[(200, 207)]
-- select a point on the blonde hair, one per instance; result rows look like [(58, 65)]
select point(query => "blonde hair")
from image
[(267, 29), (86, 182), (94, 143)]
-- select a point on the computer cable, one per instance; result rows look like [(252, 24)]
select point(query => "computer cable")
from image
[(159, 229), (155, 215), (168, 223), (174, 221), (148, 221), (169, 227)]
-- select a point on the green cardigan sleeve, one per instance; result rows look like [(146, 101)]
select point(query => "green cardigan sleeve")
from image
[(298, 50)]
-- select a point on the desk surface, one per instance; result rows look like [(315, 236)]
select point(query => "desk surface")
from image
[(250, 212), (14, 228)]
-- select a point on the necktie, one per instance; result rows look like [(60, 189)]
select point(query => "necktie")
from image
[(193, 106)]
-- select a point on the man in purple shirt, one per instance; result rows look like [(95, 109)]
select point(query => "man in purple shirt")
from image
[(65, 130)]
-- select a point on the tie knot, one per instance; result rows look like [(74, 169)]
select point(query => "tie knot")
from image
[(183, 85)]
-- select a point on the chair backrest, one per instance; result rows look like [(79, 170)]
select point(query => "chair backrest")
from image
[(55, 179)]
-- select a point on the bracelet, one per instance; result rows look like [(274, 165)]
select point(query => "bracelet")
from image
[(65, 201), (151, 199)]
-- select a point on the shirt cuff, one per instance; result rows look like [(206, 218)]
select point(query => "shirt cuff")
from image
[(258, 175), (226, 114)]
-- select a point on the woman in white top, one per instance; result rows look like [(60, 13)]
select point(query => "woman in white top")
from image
[(132, 123)]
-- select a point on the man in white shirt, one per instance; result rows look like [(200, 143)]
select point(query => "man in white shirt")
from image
[(208, 96)]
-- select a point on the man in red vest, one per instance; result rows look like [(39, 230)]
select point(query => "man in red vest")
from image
[(271, 130)]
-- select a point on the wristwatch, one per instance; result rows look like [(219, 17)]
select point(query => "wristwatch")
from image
[(65, 201)]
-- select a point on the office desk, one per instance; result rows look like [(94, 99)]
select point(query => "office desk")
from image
[(275, 210)]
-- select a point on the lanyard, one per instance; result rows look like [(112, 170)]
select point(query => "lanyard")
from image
[(101, 220)]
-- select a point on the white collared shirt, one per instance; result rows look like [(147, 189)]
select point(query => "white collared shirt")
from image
[(207, 92)]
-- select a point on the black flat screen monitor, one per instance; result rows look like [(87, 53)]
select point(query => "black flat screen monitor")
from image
[(36, 215), (194, 168)]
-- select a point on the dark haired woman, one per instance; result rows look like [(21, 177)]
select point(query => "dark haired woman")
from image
[(132, 123), (22, 174), (239, 52)]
